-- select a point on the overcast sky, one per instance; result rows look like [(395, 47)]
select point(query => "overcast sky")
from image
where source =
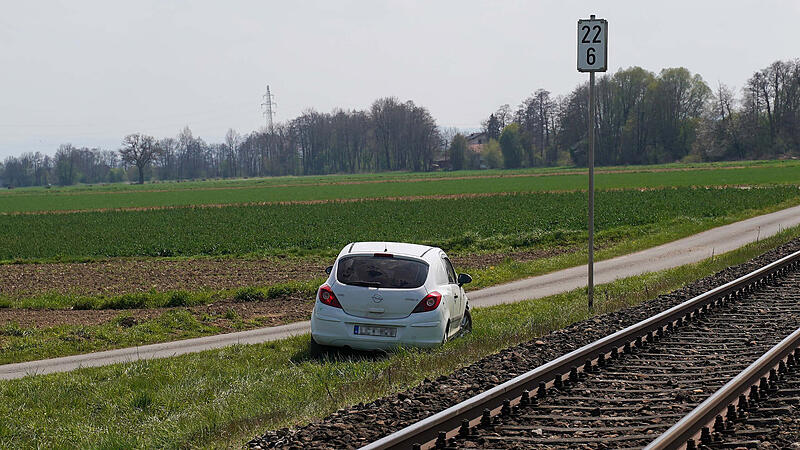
[(89, 72)]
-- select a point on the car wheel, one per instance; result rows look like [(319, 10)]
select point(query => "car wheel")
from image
[(466, 323), (446, 333)]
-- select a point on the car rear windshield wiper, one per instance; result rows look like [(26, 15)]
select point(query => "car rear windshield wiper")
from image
[(365, 283)]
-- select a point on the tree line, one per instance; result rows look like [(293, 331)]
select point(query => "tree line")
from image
[(647, 118), (390, 135), (641, 118)]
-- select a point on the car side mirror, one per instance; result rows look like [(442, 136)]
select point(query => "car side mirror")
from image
[(329, 269), (464, 279)]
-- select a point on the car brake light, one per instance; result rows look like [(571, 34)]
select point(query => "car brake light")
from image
[(327, 297), (429, 303), (383, 255)]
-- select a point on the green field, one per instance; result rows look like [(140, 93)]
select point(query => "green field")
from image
[(333, 187), (222, 398), (384, 176), (629, 221), (550, 224), (464, 224)]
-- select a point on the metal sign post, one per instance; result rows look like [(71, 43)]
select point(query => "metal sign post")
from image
[(592, 57)]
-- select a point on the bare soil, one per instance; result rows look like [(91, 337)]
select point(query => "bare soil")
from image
[(486, 260), (117, 277)]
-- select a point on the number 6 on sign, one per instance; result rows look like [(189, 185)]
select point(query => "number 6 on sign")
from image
[(592, 45)]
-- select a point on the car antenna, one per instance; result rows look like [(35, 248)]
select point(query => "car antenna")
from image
[(385, 247)]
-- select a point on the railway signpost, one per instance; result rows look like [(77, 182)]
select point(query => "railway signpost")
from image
[(592, 57)]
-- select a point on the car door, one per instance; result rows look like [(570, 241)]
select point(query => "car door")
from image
[(457, 310)]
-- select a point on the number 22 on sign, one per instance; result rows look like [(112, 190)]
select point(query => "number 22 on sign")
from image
[(592, 45)]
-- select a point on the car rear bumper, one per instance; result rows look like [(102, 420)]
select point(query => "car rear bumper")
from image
[(334, 327)]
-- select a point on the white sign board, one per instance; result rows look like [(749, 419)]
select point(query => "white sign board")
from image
[(592, 45)]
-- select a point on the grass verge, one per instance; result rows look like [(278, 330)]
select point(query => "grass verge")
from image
[(222, 398), (19, 344)]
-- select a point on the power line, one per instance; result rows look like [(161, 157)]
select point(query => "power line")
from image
[(269, 108)]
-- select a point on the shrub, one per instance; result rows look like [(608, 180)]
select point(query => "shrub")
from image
[(180, 298), (127, 301), (84, 303), (125, 320), (231, 314), (249, 294), (142, 400)]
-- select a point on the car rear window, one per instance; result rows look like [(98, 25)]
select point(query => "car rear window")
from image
[(382, 271)]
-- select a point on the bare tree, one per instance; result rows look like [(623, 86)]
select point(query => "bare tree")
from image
[(65, 164), (232, 140), (139, 150)]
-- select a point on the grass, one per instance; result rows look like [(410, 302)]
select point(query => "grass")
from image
[(154, 299), (19, 343), (457, 225), (222, 398), (284, 189)]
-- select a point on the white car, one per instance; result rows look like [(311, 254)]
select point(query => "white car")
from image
[(380, 295)]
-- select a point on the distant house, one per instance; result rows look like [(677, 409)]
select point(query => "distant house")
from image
[(477, 139), (441, 160), (475, 144)]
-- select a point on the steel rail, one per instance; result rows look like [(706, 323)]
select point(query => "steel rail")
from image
[(707, 412), (448, 420)]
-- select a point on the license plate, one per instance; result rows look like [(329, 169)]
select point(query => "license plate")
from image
[(375, 331)]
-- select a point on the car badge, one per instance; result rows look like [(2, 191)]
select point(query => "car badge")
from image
[(377, 298)]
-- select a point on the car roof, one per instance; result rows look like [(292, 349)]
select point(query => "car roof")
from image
[(395, 248)]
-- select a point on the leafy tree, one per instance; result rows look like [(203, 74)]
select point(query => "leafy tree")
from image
[(492, 127), (493, 155), (511, 146), (679, 101), (458, 150), (536, 118)]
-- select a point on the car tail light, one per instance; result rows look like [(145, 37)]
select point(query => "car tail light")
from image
[(429, 303), (327, 297)]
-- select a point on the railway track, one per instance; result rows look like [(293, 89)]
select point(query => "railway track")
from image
[(687, 376)]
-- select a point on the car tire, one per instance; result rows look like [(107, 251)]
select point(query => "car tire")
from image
[(466, 323), (446, 333)]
